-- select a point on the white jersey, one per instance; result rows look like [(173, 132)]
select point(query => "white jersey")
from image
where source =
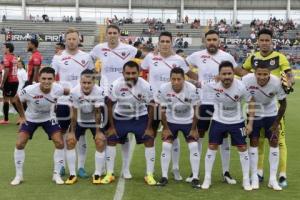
[(159, 68), (86, 103), (69, 68), (179, 105), (22, 77), (265, 97), (228, 102), (40, 106), (131, 102), (208, 68), (112, 61)]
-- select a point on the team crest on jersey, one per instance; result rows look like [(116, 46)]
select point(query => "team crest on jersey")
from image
[(272, 62), (83, 62), (271, 94), (174, 65), (123, 53), (187, 100), (236, 97), (123, 89), (155, 64)]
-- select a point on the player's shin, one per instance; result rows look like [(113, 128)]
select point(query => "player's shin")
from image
[(165, 158), (194, 158)]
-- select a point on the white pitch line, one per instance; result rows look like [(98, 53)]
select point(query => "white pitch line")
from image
[(121, 183)]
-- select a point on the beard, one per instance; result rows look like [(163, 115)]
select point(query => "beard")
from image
[(131, 81), (212, 49), (29, 49)]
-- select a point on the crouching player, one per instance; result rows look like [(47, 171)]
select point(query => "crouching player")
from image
[(132, 96), (87, 100), (266, 90), (228, 118), (178, 100), (41, 99)]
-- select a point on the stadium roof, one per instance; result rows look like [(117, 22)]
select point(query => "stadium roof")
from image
[(167, 4)]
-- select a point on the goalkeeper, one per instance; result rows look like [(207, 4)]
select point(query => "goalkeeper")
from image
[(280, 67)]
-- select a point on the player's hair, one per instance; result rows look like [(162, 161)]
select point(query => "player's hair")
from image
[(47, 70), (265, 31), (71, 30), (177, 70), (211, 32), (61, 45), (179, 51), (35, 42), (131, 64), (114, 27), (88, 73), (22, 62), (10, 47), (136, 44), (225, 64), (165, 33)]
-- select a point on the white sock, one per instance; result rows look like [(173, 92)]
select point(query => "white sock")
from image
[(99, 162), (110, 158), (245, 163), (65, 149), (58, 158), (125, 156), (225, 154), (274, 161), (71, 160), (165, 158), (253, 153), (200, 142), (81, 151), (19, 156), (209, 162), (194, 158), (176, 153), (150, 159)]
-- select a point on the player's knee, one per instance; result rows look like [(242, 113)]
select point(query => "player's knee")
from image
[(242, 148), (213, 147), (71, 143), (201, 133), (59, 144), (254, 142), (20, 145), (100, 144), (149, 143)]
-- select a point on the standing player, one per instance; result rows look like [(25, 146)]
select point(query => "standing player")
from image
[(132, 96), (68, 66), (41, 98), (9, 84), (228, 118), (87, 101), (278, 64), (159, 67), (34, 62), (178, 100), (266, 90), (113, 54), (207, 62)]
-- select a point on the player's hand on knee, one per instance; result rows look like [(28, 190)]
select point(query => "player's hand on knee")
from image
[(149, 132), (249, 129), (194, 134), (100, 135), (111, 131), (166, 133), (22, 120)]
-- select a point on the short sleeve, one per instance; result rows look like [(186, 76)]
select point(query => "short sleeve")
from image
[(23, 94), (245, 94), (184, 65), (36, 60), (247, 64), (100, 98), (160, 97), (195, 96), (6, 63), (280, 92), (190, 60), (145, 65), (74, 100), (232, 60), (55, 64), (284, 63), (91, 64)]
